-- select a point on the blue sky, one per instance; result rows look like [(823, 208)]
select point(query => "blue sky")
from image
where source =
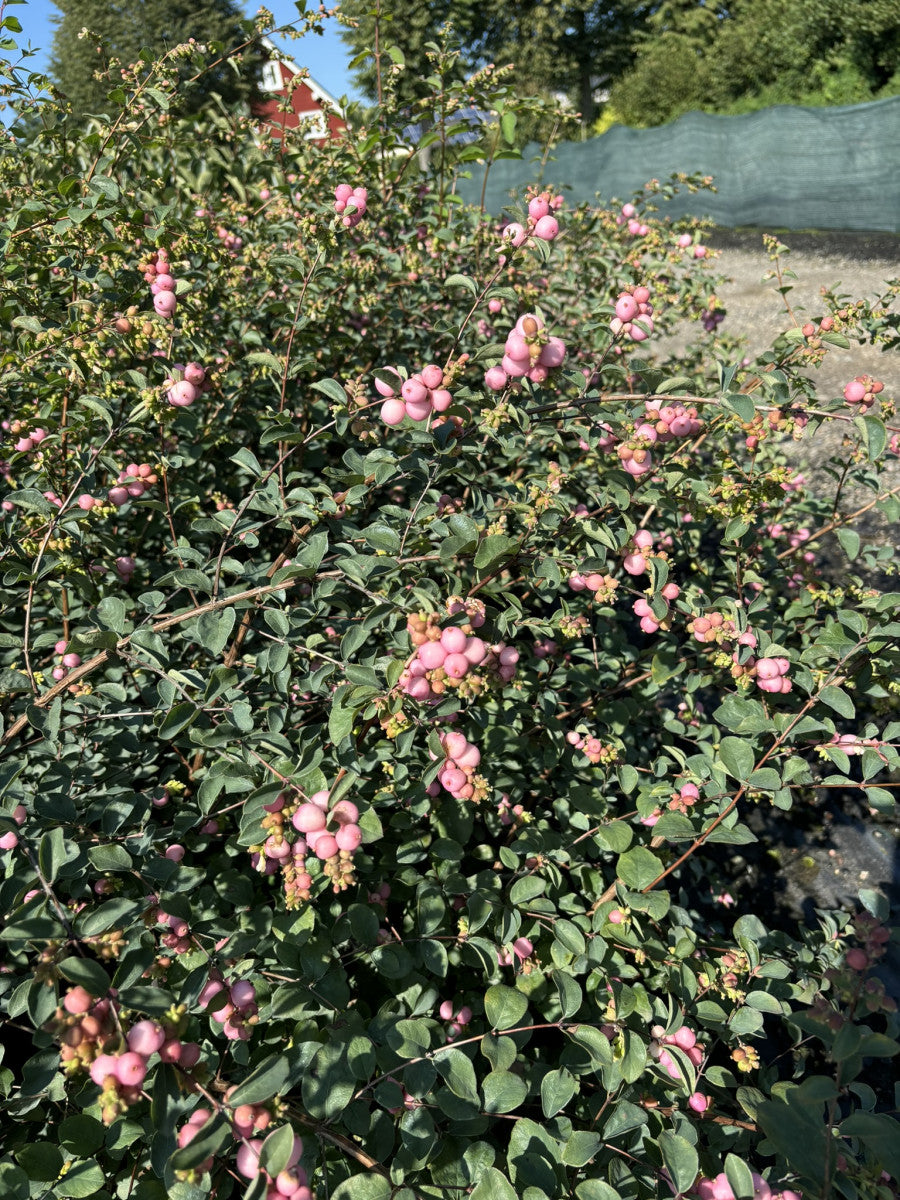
[(326, 56)]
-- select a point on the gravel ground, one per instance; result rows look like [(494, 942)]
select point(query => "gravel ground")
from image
[(841, 850)]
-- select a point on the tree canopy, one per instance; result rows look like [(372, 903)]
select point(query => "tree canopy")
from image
[(121, 32)]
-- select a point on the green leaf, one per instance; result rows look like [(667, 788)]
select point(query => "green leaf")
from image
[(739, 1177), (638, 868), (880, 1134), (42, 1161), (492, 1185), (838, 699), (262, 1084), (332, 389), (680, 1158), (457, 1072), (80, 1136), (580, 1147), (504, 1006), (464, 281), (850, 541), (737, 757), (342, 715), (503, 1091), (557, 1089), (82, 1179), (276, 1150), (382, 537), (525, 890), (110, 857), (86, 972), (494, 548), (212, 1138), (214, 630), (368, 1186)]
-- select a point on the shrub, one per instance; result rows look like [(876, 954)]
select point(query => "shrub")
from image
[(371, 778)]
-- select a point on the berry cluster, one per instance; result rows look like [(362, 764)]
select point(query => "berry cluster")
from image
[(158, 274), (541, 222), (603, 586), (457, 1021), (681, 801), (9, 840), (667, 422), (635, 225), (292, 1182), (862, 391), (521, 949), (771, 675), (185, 384), (90, 1033), (684, 1038), (68, 660), (311, 818), (231, 241), (27, 438), (420, 396), (447, 658), (350, 204), (635, 560), (529, 351), (633, 314), (457, 774), (650, 623), (238, 1005), (592, 748), (133, 481), (719, 1188)]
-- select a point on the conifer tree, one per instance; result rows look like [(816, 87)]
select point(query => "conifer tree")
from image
[(124, 30)]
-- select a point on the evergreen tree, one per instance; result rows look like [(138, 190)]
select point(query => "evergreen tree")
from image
[(124, 30)]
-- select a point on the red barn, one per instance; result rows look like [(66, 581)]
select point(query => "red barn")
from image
[(311, 106)]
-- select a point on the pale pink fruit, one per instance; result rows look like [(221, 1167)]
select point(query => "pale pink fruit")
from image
[(626, 308), (432, 376), (418, 410), (183, 394), (247, 1160), (538, 207), (326, 846), (441, 399), (145, 1038), (164, 303), (348, 837), (698, 1102), (102, 1068), (414, 390), (344, 812), (194, 374), (854, 391), (86, 501), (514, 233), (9, 841), (118, 496), (495, 378), (131, 1069), (453, 640), (393, 412), (446, 1010), (242, 993), (553, 354), (77, 999), (546, 229), (308, 818), (432, 655), (523, 947), (456, 665), (386, 389), (475, 650)]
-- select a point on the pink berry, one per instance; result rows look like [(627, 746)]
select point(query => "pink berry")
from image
[(393, 412), (326, 846), (495, 378), (698, 1102), (453, 640), (86, 501), (432, 376), (547, 228), (145, 1038), (308, 818), (77, 1000), (348, 837), (626, 308), (131, 1069), (183, 394)]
